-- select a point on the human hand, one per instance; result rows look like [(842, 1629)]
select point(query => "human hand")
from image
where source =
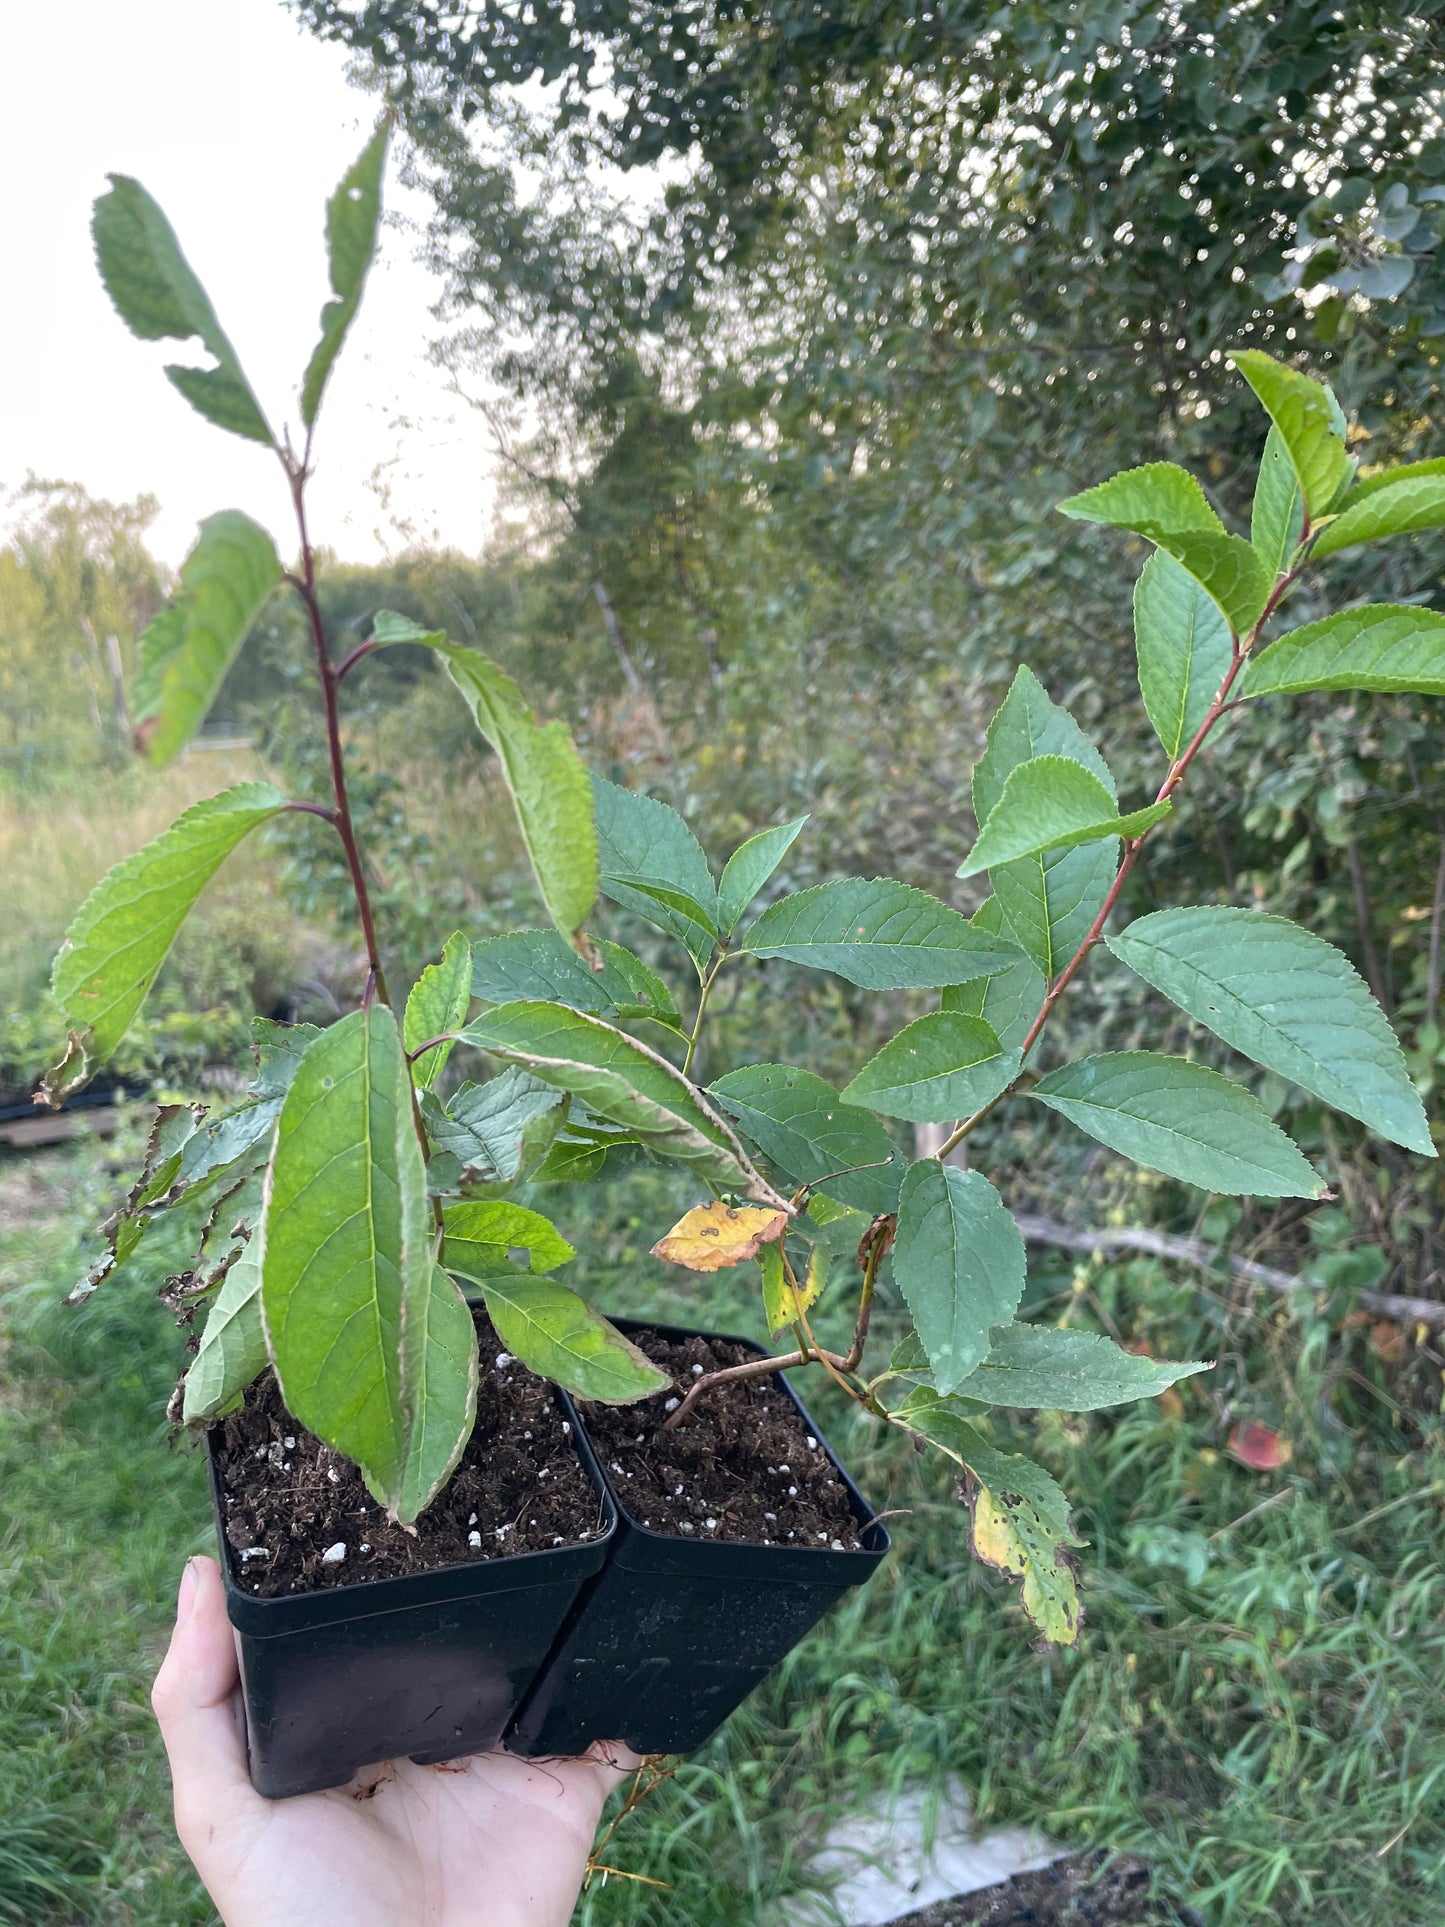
[(492, 1839)]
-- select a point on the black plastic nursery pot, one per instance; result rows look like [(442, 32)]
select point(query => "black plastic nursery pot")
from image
[(674, 1633), (428, 1665)]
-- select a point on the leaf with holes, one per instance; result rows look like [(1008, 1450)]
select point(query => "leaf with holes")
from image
[(353, 215)]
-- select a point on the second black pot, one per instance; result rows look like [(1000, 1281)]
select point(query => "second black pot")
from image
[(674, 1633)]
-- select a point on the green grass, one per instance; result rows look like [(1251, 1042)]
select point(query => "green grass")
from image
[(1256, 1705)]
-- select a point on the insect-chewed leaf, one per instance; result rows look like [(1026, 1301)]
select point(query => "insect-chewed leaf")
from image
[(353, 215), (500, 1131), (1021, 1522), (186, 650), (121, 933), (479, 1235), (233, 1346), (785, 1297), (158, 297), (711, 1237)]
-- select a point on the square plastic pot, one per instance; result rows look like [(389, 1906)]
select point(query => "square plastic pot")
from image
[(431, 1665), (674, 1633)]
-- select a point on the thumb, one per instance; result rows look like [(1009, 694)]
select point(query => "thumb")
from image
[(197, 1701)]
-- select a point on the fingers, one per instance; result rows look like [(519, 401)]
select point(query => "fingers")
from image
[(196, 1699)]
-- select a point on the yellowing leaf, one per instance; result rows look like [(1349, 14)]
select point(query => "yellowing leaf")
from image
[(711, 1237), (784, 1299), (1010, 1535)]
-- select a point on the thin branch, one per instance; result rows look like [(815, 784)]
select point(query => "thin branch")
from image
[(1194, 1251)]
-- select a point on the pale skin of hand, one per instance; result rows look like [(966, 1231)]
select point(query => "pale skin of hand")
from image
[(491, 1841)]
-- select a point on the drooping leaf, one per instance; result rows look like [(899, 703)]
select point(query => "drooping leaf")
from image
[(1043, 1367), (439, 1001), (786, 1298), (748, 869), (346, 1263), (440, 1372), (622, 1081), (653, 865), (1163, 503), (1386, 646), (233, 1351), (1051, 803), (353, 215), (877, 934), (941, 1066), (499, 1132), (559, 1336), (1287, 999), (186, 650), (1184, 650), (1182, 1119), (959, 1261), (1388, 507), (158, 297), (1021, 1521), (537, 964), (1047, 902), (1306, 422), (1277, 514), (802, 1125), (478, 1235), (172, 1129), (1008, 1002), (548, 782), (120, 935), (716, 1236)]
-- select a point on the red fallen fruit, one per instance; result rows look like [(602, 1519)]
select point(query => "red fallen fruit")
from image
[(1258, 1447)]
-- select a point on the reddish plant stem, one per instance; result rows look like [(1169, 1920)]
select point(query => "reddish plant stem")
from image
[(1177, 772), (329, 676), (358, 654)]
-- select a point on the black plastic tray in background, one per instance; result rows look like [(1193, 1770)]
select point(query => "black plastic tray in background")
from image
[(431, 1665), (674, 1633)]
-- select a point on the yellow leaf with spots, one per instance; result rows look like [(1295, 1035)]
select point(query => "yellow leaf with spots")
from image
[(713, 1236), (784, 1299)]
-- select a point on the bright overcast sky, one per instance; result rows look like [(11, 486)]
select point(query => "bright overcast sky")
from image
[(240, 125)]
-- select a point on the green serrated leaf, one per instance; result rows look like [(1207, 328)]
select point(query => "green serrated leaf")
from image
[(1277, 516), (499, 1132), (1163, 503), (1051, 803), (959, 1261), (353, 215), (478, 1236), (559, 1336), (1184, 649), (1182, 1119), (942, 1066), (439, 1001), (347, 1265), (158, 297), (233, 1351), (537, 964), (1040, 1367), (1302, 413), (748, 869), (1007, 1002), (801, 1124), (877, 934), (1287, 999), (186, 650), (1388, 507), (121, 933), (1047, 902), (1387, 477), (652, 864), (1021, 1521), (622, 1081), (1393, 647)]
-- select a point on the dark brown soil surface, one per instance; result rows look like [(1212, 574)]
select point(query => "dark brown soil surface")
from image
[(742, 1465), (288, 1498), (1078, 1892)]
